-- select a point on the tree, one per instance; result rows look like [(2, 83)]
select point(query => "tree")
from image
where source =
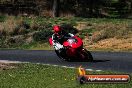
[(56, 8), (124, 7)]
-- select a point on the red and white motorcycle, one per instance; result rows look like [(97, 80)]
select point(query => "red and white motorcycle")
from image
[(73, 50)]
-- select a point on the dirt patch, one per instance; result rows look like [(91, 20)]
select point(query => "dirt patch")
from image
[(5, 65), (112, 44)]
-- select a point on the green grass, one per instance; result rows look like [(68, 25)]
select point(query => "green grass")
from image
[(32, 46), (44, 76), (40, 46), (70, 20), (86, 32)]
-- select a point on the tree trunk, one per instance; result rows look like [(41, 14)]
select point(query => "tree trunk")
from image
[(131, 8), (56, 8)]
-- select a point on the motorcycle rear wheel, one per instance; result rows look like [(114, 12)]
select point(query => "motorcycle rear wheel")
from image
[(86, 55)]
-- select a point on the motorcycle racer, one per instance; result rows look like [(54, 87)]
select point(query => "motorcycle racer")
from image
[(67, 46), (59, 36)]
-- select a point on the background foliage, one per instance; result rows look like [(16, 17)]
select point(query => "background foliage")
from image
[(81, 8)]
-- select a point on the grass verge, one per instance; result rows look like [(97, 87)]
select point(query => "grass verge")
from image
[(44, 76), (97, 33)]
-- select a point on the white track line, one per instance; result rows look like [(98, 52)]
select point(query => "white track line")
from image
[(7, 61), (71, 67), (89, 70)]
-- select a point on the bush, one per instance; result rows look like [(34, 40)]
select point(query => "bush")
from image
[(40, 25), (42, 35), (86, 32), (69, 28), (45, 31), (110, 30), (2, 18), (111, 33), (13, 27), (104, 34)]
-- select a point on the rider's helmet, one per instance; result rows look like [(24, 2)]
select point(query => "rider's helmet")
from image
[(57, 29)]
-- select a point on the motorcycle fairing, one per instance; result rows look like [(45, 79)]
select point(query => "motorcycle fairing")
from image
[(50, 41), (74, 45)]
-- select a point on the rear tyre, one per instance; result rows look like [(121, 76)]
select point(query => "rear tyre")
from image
[(86, 55)]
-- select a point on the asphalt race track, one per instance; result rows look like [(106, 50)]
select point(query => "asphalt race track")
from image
[(118, 61)]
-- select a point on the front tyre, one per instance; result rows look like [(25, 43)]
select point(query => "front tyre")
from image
[(61, 55)]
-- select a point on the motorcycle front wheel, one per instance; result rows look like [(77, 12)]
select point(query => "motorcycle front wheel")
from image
[(62, 57)]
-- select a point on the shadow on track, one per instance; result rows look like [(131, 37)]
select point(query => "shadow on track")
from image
[(94, 61)]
